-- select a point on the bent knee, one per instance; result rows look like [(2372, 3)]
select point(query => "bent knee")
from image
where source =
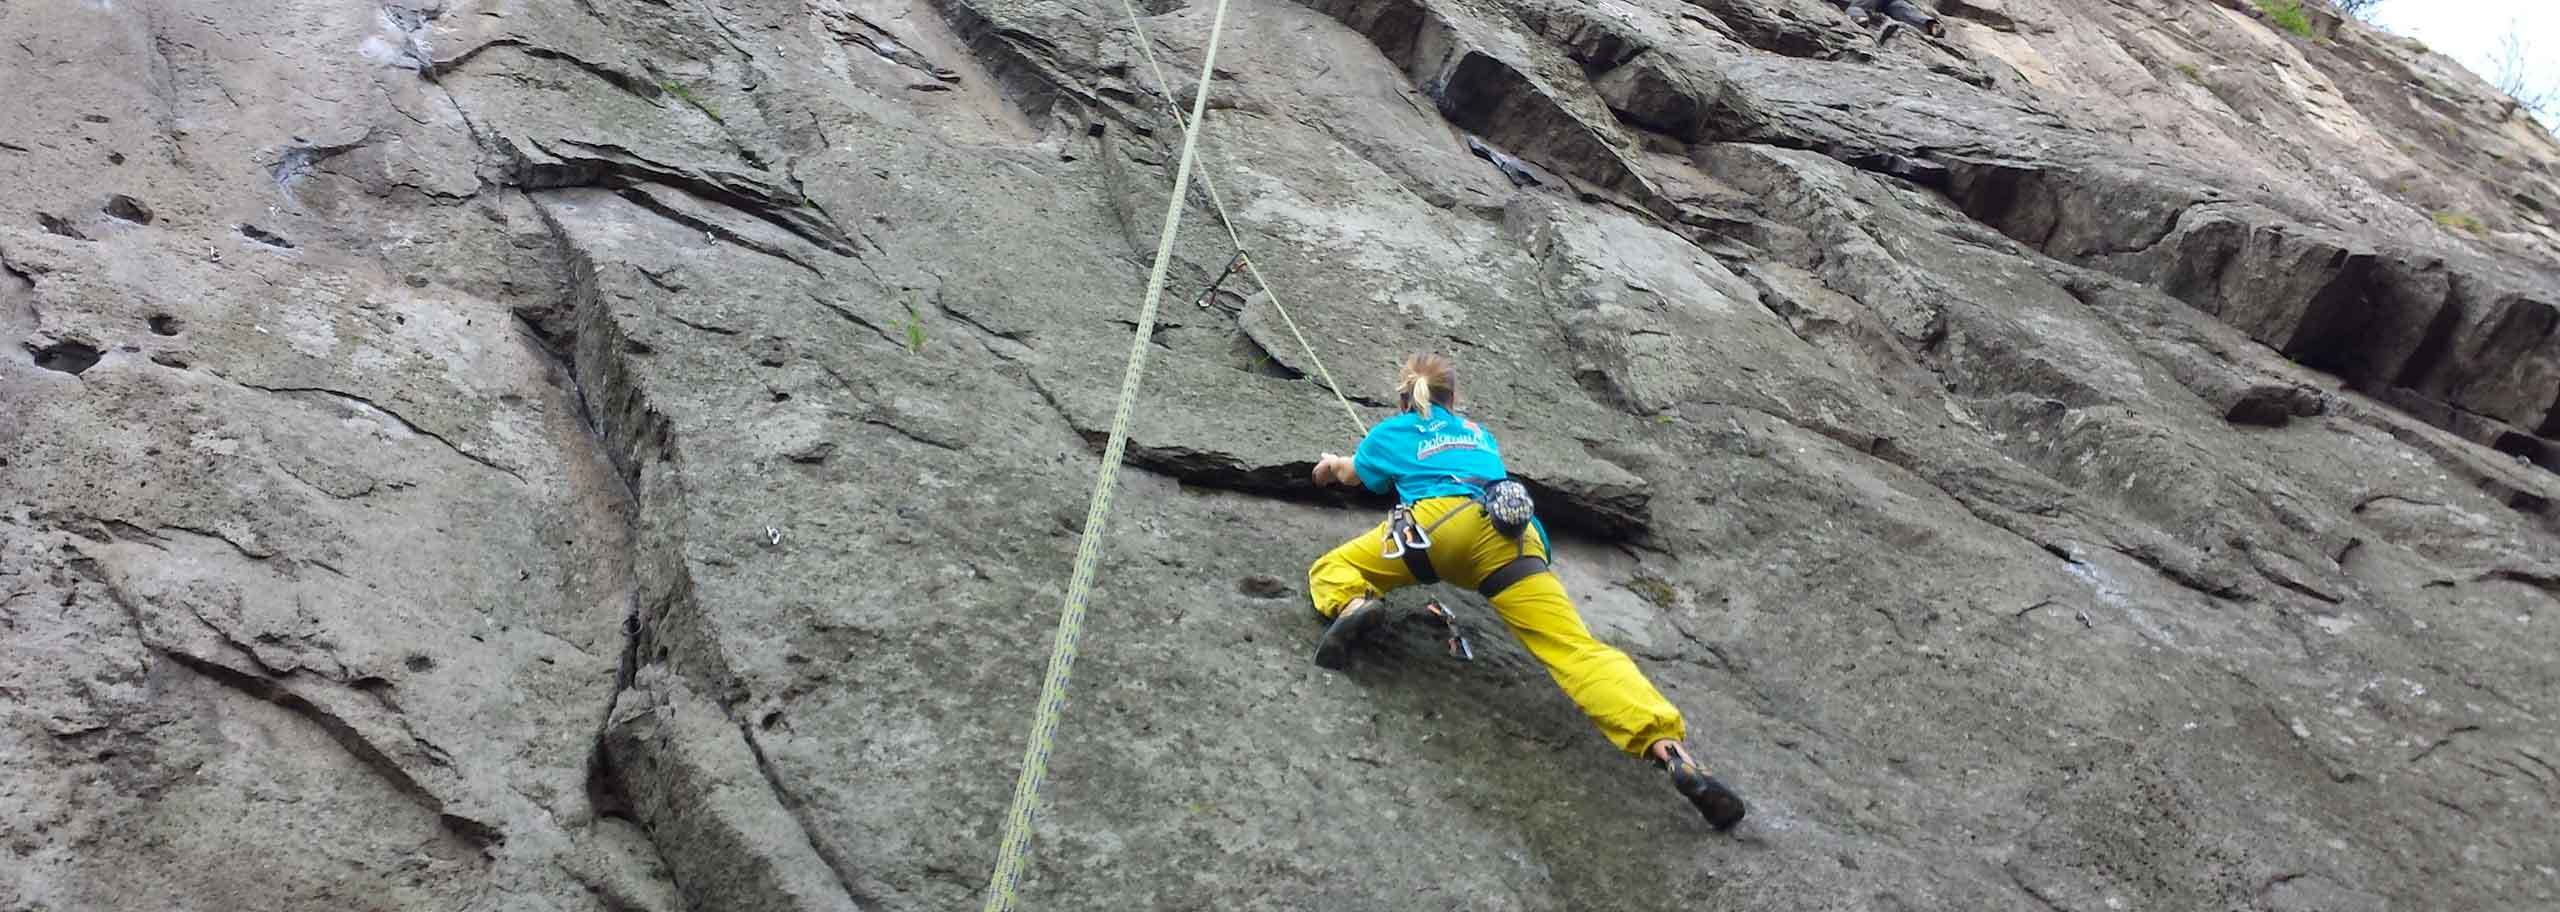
[(1333, 583), (1330, 571)]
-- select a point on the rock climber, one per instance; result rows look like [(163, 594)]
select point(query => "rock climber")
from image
[(1864, 13), (1462, 520)]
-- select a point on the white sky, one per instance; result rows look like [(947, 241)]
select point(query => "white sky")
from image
[(2470, 30)]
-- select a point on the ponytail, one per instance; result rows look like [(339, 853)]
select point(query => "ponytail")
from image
[(1429, 380)]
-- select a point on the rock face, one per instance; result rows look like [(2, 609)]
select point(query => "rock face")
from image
[(627, 455)]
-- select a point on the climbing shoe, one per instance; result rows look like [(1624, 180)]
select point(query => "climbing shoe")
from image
[(1719, 804), (1334, 650), (1886, 34)]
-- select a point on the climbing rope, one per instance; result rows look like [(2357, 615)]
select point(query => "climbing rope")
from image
[(1016, 847), (1146, 50)]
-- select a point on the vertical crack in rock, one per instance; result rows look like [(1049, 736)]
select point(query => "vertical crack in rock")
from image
[(649, 764)]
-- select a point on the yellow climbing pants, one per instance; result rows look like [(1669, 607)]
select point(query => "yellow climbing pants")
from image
[(1464, 549)]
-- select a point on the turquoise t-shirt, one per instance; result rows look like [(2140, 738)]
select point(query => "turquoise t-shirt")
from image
[(1420, 458)]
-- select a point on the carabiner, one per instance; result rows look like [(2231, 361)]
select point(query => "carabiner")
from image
[(1456, 641), (1398, 520)]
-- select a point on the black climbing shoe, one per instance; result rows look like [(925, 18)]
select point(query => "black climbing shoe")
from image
[(1719, 804), (1886, 34), (1334, 650)]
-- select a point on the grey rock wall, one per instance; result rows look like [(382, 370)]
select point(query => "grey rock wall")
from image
[(627, 455)]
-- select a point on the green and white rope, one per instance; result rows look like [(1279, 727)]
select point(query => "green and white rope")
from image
[(1014, 852)]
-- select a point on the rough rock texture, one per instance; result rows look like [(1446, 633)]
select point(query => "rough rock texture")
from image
[(626, 455)]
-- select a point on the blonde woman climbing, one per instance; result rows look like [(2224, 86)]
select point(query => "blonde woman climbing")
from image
[(1460, 519)]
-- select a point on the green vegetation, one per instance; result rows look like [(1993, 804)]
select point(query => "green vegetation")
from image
[(682, 94), (2286, 15), (915, 330), (2461, 221), (1655, 589), (2190, 71)]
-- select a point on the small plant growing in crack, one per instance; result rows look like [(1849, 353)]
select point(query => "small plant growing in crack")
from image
[(1655, 589), (2286, 15), (2461, 221), (914, 327), (682, 94)]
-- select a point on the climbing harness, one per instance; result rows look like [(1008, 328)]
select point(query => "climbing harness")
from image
[(1409, 540), (1506, 506), (1015, 849), (1520, 568), (1403, 536)]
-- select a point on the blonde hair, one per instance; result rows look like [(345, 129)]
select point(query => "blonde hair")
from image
[(1428, 379)]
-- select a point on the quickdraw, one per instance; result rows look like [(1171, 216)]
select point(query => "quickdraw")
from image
[(1452, 636), (1235, 265)]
